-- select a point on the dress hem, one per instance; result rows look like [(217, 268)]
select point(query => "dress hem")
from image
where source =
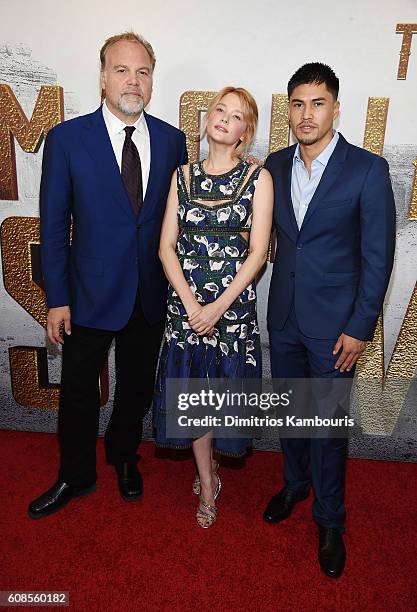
[(215, 449)]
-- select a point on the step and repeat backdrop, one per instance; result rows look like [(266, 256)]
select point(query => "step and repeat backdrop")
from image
[(49, 72)]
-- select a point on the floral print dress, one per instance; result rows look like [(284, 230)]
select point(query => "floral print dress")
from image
[(213, 213)]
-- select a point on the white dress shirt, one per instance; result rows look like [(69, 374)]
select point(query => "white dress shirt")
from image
[(140, 137), (303, 186)]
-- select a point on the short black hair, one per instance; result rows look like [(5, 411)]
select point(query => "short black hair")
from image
[(314, 72)]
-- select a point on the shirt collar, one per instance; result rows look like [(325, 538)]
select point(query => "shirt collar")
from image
[(325, 155), (116, 126)]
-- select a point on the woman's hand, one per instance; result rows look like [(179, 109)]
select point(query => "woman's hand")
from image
[(203, 320)]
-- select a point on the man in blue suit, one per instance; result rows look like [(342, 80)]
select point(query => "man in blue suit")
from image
[(335, 221), (108, 173)]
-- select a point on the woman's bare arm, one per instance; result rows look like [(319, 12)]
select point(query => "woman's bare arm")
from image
[(168, 255)]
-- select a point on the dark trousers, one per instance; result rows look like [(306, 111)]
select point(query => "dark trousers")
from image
[(136, 352), (317, 461)]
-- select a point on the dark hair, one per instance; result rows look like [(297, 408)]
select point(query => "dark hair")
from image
[(315, 72)]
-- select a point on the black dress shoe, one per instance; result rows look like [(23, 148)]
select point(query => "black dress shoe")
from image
[(332, 551), (130, 481), (56, 498), (282, 504)]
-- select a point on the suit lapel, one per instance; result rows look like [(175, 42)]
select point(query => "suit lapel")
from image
[(330, 174), (285, 181), (97, 142), (158, 167)]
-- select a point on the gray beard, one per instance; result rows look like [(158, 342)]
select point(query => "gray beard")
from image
[(129, 110)]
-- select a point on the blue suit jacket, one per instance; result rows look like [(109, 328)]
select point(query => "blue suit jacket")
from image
[(337, 267), (113, 252)]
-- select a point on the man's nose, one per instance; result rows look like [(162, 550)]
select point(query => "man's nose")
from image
[(133, 78), (307, 112)]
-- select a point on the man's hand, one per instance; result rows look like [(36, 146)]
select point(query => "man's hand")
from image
[(203, 320), (352, 350), (58, 317)]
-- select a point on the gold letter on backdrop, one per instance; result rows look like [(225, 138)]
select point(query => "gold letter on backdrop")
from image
[(380, 403), (371, 365), (279, 130), (48, 111), (29, 367), (407, 29), (412, 212), (192, 104)]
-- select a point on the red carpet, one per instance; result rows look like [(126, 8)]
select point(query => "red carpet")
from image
[(151, 554)]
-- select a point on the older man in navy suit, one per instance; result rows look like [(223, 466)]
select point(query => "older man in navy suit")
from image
[(107, 173), (335, 220)]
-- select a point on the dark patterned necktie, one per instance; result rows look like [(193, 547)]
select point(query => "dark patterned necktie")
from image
[(132, 171)]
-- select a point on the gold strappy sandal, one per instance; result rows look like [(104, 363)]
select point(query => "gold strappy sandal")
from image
[(204, 519), (197, 485)]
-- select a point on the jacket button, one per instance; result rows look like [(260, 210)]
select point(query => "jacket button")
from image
[(293, 274), (299, 246)]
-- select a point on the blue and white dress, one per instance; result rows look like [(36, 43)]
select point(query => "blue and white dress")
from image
[(213, 213)]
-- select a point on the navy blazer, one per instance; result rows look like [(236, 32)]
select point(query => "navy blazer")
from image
[(337, 267), (112, 253)]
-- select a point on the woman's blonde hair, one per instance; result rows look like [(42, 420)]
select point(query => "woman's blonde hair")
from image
[(250, 114)]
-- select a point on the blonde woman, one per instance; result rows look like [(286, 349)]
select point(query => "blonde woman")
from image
[(214, 240)]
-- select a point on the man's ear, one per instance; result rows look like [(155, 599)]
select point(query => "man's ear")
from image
[(102, 85), (336, 110)]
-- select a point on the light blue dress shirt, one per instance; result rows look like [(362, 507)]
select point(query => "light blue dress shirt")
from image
[(304, 186)]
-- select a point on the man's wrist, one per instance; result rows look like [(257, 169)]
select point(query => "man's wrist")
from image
[(354, 337)]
